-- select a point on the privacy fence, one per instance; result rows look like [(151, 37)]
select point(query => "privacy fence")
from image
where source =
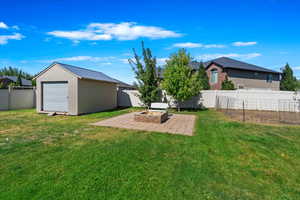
[(244, 105), (253, 100), (17, 98)]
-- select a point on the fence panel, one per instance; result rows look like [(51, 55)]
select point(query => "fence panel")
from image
[(17, 98), (254, 99), (129, 98), (22, 98), (282, 105), (4, 99)]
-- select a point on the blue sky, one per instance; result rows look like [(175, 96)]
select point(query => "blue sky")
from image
[(100, 35)]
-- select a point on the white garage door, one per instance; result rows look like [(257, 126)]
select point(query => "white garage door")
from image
[(55, 97)]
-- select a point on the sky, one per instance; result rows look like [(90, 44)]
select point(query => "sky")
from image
[(100, 35)]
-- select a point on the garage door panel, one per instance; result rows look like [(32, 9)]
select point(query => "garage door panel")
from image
[(55, 97)]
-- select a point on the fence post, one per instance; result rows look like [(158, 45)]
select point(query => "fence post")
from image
[(244, 111), (227, 105), (279, 111), (9, 97)]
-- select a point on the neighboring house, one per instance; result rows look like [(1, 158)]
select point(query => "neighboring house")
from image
[(6, 80), (243, 75), (71, 90)]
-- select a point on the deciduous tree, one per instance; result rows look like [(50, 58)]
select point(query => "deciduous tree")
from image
[(179, 80), (145, 71)]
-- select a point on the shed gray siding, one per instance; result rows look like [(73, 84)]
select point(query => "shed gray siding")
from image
[(94, 96)]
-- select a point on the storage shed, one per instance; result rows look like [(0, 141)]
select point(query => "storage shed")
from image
[(71, 90)]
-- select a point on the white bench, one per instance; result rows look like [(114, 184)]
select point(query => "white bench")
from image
[(159, 106)]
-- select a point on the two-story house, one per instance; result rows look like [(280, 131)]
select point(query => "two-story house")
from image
[(243, 75)]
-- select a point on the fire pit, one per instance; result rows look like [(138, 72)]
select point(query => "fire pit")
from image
[(151, 116)]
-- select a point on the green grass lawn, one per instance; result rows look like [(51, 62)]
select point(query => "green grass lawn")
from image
[(63, 157)]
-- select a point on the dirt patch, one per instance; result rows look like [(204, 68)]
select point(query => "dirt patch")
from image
[(264, 117)]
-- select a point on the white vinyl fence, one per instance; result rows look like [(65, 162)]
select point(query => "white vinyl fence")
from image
[(17, 98), (233, 99), (283, 105)]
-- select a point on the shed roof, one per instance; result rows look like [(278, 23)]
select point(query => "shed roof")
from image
[(82, 73), (124, 85)]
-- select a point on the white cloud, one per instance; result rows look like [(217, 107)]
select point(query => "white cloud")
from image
[(243, 44), (161, 61), (197, 45), (85, 58), (296, 68), (230, 55), (214, 46), (121, 31), (4, 38), (106, 63), (3, 25), (187, 45), (127, 54), (80, 35), (15, 27), (124, 60)]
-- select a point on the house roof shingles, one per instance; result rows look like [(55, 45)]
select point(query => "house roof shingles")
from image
[(25, 82), (235, 64)]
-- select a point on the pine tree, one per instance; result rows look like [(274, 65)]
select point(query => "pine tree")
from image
[(203, 77), (19, 80), (288, 81), (145, 71), (12, 71)]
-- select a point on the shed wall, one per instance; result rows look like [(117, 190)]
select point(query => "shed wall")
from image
[(94, 96)]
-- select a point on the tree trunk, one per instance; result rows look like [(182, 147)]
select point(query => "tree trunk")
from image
[(178, 106)]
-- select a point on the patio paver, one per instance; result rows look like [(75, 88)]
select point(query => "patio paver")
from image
[(176, 124)]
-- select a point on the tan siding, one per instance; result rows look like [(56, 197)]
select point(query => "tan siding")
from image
[(56, 73), (96, 96), (250, 79)]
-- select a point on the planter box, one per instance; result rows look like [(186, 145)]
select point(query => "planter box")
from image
[(151, 116)]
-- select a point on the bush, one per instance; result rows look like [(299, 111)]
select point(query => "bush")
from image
[(227, 85)]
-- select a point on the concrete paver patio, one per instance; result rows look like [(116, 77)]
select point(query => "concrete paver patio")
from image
[(176, 124)]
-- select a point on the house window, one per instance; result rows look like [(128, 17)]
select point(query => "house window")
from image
[(269, 78), (214, 76)]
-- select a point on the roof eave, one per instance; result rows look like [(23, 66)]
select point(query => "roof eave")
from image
[(252, 70), (50, 66), (83, 78)]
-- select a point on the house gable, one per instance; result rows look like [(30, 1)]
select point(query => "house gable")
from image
[(54, 65), (221, 76)]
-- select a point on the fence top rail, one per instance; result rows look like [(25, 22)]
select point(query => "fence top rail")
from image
[(21, 87), (251, 91), (257, 99)]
